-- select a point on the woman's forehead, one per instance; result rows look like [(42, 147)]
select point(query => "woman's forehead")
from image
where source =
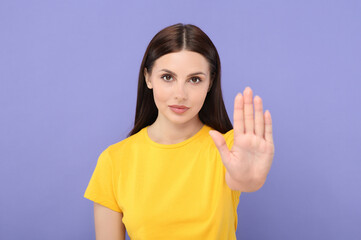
[(183, 61)]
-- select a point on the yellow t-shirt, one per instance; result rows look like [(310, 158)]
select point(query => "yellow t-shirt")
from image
[(175, 191)]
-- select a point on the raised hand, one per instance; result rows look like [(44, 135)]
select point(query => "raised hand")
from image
[(250, 159)]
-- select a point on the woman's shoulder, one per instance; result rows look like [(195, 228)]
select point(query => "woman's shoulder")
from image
[(127, 143)]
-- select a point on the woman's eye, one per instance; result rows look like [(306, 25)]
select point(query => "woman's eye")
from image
[(195, 79), (167, 77)]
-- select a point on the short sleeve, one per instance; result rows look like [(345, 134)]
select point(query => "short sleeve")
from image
[(235, 199), (101, 185)]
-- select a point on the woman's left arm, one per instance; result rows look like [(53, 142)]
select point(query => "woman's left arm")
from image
[(250, 159)]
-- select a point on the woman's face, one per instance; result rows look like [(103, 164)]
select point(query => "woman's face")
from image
[(180, 82)]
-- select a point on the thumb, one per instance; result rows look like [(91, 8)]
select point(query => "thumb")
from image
[(221, 145)]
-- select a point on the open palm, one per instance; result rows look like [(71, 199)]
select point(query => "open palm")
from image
[(250, 159)]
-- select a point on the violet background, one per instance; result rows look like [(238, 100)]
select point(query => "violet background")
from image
[(69, 69)]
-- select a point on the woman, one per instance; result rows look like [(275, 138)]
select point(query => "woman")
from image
[(180, 172)]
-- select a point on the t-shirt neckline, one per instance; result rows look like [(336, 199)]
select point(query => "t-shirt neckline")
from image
[(175, 145)]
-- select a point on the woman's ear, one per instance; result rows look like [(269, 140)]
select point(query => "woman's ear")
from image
[(147, 79)]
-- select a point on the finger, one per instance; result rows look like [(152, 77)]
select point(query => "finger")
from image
[(238, 120), (258, 117), (248, 110), (221, 145), (268, 127)]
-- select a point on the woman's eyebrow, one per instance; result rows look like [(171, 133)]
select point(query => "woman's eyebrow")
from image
[(168, 71)]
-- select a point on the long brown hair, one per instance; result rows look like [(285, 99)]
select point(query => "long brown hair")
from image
[(174, 39)]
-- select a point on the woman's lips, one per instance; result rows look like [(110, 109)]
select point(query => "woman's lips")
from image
[(178, 109)]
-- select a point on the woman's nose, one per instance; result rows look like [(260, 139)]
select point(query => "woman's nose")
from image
[(180, 91)]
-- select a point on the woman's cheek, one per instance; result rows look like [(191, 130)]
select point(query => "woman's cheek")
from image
[(160, 96)]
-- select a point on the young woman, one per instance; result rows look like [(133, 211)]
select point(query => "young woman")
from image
[(181, 170)]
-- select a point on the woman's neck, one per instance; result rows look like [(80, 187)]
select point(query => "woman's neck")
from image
[(165, 132)]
